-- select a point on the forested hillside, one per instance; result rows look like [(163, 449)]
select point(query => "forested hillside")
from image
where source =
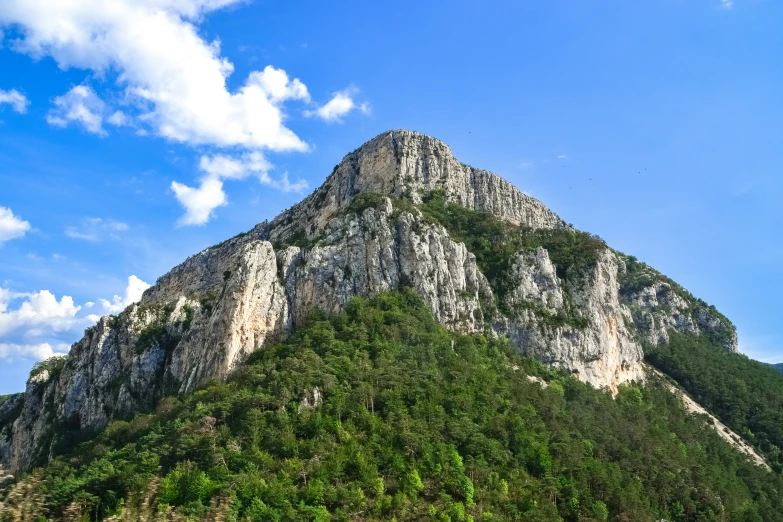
[(745, 394), (379, 413)]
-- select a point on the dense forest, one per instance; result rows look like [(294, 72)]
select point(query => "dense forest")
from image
[(744, 394), (379, 413)]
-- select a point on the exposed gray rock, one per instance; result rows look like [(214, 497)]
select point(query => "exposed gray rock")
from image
[(604, 353), (400, 163), (659, 306), (206, 315), (311, 399)]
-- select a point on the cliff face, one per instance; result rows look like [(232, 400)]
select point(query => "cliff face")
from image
[(205, 316)]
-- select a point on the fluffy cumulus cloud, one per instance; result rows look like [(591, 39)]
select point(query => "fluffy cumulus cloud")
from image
[(96, 229), (172, 81), (38, 325), (340, 105), (171, 76), (11, 227), (38, 352), (15, 99), (200, 202), (80, 106), (133, 293)]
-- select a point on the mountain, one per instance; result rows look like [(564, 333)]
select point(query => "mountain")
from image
[(778, 367), (402, 214)]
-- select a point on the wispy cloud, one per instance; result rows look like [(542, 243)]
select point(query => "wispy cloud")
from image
[(526, 164), (727, 4), (339, 106), (80, 106), (200, 202), (11, 226), (15, 99), (96, 229)]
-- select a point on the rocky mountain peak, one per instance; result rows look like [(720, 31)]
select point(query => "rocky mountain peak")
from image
[(400, 211), (407, 164)]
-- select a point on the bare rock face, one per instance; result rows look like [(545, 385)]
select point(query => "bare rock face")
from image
[(404, 163), (600, 348), (209, 313)]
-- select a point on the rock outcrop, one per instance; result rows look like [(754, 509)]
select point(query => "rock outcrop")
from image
[(659, 305), (205, 316)]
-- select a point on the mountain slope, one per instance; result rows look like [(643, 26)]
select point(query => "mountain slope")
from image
[(746, 395), (399, 211), (379, 413)]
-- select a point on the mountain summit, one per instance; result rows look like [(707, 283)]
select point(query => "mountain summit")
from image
[(400, 211)]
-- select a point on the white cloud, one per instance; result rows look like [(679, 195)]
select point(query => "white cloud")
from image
[(37, 352), (118, 119), (11, 227), (562, 156), (726, 4), (227, 167), (200, 203), (96, 229), (286, 186), (173, 78), (80, 105), (341, 104), (39, 311), (38, 325), (133, 293), (172, 82), (526, 164), (15, 99)]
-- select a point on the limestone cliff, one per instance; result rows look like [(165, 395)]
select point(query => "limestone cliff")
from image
[(365, 230)]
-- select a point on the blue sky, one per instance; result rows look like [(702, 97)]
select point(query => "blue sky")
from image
[(129, 139)]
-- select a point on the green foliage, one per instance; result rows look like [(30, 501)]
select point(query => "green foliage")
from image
[(10, 409), (186, 484), (411, 484), (229, 240), (364, 200), (637, 276), (744, 394), (54, 365), (496, 244), (413, 428), (155, 334), (207, 302), (297, 238), (189, 313)]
